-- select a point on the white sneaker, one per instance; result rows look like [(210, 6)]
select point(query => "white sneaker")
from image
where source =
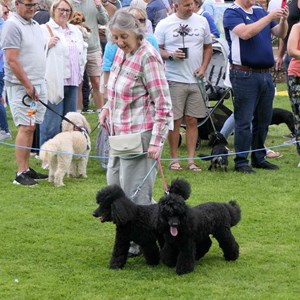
[(5, 135), (299, 165)]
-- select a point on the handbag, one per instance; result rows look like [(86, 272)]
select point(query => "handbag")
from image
[(126, 144), (54, 75)]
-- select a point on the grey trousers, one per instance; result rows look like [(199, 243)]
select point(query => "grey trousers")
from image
[(129, 173)]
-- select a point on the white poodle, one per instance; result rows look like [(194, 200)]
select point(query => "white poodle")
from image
[(68, 147)]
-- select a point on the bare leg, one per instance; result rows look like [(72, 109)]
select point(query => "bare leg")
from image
[(174, 139), (24, 139), (191, 137)]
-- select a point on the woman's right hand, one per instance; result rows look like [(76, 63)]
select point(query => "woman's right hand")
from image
[(103, 116), (53, 41)]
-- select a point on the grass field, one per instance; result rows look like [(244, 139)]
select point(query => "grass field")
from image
[(52, 248)]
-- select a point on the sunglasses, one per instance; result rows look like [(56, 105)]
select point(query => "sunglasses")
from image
[(63, 10), (143, 21), (29, 5)]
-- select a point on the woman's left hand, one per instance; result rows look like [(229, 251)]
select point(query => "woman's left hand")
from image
[(154, 152)]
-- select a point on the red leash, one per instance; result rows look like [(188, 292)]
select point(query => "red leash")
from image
[(163, 176)]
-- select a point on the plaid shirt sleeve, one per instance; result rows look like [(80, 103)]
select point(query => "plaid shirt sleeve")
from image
[(158, 89)]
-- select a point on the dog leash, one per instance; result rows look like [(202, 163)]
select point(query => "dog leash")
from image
[(163, 176), (143, 181), (47, 106)]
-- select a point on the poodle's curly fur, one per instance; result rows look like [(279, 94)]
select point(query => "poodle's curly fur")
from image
[(137, 223), (187, 231), (58, 152)]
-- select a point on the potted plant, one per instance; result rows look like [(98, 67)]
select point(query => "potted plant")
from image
[(184, 30)]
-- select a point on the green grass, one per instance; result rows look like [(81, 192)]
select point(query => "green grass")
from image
[(52, 248)]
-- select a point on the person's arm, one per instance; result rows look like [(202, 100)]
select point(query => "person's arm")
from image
[(207, 54), (12, 59), (212, 26), (247, 31), (293, 41), (158, 89), (102, 13), (281, 52)]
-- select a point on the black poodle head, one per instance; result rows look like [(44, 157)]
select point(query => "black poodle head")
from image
[(217, 138), (172, 212), (180, 187), (114, 206)]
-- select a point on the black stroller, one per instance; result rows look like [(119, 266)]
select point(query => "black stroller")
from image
[(214, 91)]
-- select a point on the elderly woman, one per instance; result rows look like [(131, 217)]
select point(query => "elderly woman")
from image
[(67, 42), (138, 101)]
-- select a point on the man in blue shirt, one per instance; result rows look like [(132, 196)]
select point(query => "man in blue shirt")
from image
[(248, 30)]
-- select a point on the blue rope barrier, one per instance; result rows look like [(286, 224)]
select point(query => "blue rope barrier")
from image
[(162, 159)]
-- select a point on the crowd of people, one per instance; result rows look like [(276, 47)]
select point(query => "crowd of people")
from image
[(144, 61)]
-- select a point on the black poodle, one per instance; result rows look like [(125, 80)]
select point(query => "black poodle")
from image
[(135, 223), (186, 230)]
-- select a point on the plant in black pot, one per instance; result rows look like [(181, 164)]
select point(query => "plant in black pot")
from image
[(184, 30)]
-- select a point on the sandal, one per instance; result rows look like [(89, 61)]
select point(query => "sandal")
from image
[(273, 154), (175, 166), (193, 167)]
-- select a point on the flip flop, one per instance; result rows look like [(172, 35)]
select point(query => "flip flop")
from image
[(175, 166), (193, 167), (273, 154)]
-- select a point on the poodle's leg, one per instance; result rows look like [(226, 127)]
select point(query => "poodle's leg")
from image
[(82, 163), (151, 252), (186, 258), (63, 164), (52, 169), (72, 168), (202, 247), (120, 252), (228, 243), (168, 254)]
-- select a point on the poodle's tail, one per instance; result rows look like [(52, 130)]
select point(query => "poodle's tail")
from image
[(46, 154), (235, 212)]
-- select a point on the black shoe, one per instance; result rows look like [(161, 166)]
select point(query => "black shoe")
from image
[(244, 169), (265, 165), (24, 179), (34, 175)]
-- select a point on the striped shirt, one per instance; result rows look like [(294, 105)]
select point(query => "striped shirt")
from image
[(76, 77), (138, 94)]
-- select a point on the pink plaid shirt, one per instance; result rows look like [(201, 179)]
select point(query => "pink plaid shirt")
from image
[(138, 94)]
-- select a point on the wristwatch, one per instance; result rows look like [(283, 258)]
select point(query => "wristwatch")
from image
[(171, 58)]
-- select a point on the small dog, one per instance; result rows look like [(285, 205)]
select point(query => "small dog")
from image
[(58, 152), (219, 152), (283, 116), (187, 231), (78, 20), (137, 223)]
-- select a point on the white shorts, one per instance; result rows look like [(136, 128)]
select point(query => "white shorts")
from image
[(19, 111)]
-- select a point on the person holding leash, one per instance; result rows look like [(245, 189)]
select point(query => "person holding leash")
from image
[(23, 44)]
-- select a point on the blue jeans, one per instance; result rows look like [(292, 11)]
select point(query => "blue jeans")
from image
[(51, 125), (3, 117), (228, 127), (253, 101)]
